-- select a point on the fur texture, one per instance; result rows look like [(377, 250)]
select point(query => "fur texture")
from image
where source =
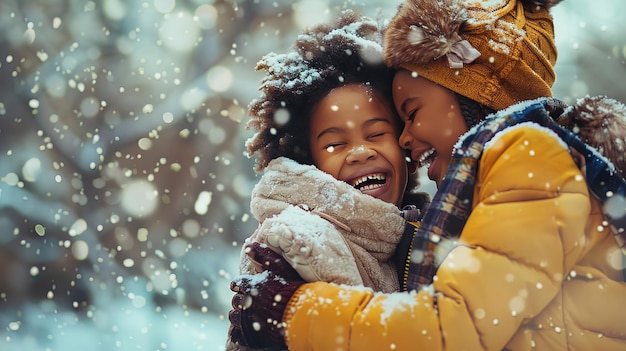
[(355, 230), (601, 123), (496, 52), (434, 25), (548, 4)]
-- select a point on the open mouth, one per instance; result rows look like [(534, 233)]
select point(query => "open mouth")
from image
[(369, 182), (427, 158)]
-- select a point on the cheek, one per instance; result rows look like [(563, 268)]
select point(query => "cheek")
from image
[(420, 130), (411, 128), (329, 163)]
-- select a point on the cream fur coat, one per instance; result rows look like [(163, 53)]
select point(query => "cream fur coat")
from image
[(326, 229)]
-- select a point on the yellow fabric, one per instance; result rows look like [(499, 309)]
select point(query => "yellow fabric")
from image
[(537, 271), (509, 70)]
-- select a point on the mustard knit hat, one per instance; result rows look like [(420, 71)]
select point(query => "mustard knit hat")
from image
[(495, 52)]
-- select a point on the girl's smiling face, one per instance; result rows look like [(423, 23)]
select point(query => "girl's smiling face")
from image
[(433, 121), (353, 137)]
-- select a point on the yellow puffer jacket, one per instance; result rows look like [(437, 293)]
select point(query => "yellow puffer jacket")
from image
[(538, 270)]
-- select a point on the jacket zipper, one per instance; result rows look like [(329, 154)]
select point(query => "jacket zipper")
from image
[(407, 263)]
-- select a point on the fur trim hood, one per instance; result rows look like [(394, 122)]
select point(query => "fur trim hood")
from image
[(326, 229), (287, 183), (600, 122)]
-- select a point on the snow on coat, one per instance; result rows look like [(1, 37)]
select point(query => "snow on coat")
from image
[(538, 268), (326, 229)]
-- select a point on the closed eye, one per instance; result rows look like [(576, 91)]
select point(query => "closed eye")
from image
[(379, 134), (331, 147)]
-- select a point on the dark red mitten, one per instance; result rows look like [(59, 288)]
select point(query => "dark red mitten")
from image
[(266, 259), (258, 307)]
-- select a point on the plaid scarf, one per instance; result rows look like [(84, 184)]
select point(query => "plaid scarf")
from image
[(446, 216)]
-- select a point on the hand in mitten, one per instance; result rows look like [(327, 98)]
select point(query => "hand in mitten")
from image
[(261, 299), (319, 253), (265, 259)]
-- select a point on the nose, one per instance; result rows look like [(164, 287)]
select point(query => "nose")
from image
[(360, 154), (405, 139)]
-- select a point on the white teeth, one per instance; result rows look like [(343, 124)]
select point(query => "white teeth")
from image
[(361, 180), (370, 187), (425, 155)]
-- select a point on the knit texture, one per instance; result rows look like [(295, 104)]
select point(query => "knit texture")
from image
[(514, 41)]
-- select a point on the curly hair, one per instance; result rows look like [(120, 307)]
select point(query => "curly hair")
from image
[(324, 57)]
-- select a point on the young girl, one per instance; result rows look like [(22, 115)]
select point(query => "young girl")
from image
[(333, 175), (537, 211)]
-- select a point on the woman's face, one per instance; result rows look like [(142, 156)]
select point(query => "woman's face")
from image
[(432, 121), (353, 137)]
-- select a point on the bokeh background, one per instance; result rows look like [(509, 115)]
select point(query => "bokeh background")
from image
[(124, 187)]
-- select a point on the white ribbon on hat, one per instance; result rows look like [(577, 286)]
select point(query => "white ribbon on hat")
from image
[(461, 52)]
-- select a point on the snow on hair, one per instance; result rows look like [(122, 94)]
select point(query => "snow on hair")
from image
[(323, 57)]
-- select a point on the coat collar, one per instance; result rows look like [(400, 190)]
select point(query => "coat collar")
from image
[(373, 224)]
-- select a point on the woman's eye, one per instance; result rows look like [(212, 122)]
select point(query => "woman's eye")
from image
[(411, 116)]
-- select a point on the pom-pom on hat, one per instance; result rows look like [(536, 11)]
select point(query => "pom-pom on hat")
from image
[(495, 52)]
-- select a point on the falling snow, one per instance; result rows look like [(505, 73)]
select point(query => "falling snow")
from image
[(124, 191)]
